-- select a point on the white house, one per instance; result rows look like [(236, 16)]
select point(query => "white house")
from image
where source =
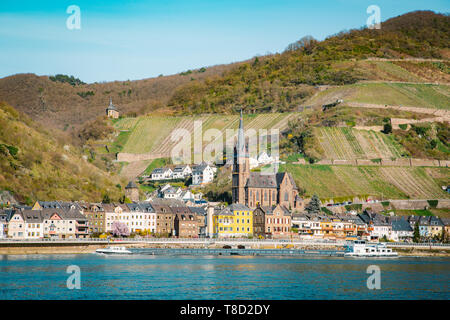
[(264, 158), (3, 223), (401, 230), (26, 224), (381, 230), (162, 174), (136, 216), (172, 193), (202, 173), (253, 162), (187, 196), (65, 224), (143, 217), (181, 172)]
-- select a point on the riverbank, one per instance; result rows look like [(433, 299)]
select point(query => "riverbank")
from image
[(24, 249)]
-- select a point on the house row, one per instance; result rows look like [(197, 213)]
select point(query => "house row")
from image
[(47, 223), (177, 218), (166, 217), (202, 173)]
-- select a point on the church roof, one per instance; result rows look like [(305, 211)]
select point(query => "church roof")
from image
[(259, 180), (111, 106), (280, 177)]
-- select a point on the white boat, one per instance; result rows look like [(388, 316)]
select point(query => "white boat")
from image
[(360, 248), (113, 250)]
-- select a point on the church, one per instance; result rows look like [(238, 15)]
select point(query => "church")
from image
[(255, 189)]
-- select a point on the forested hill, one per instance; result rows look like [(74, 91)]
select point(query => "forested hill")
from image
[(35, 165), (282, 81), (277, 82)]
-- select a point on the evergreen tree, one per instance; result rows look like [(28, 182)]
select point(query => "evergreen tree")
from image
[(416, 236), (106, 199), (314, 205)]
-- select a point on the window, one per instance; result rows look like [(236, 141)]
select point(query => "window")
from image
[(286, 196)]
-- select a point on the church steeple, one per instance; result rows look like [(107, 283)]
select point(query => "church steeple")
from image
[(241, 149), (241, 166)]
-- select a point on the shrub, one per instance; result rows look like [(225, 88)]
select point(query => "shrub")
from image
[(433, 203), (403, 126), (387, 128)]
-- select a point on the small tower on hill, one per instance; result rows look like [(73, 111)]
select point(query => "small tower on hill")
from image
[(132, 191), (111, 111)]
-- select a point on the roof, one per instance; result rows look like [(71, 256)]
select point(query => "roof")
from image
[(401, 225), (281, 175), (111, 106), (231, 208), (198, 210), (180, 168), (71, 214), (131, 185), (32, 216), (161, 170), (269, 210), (49, 204), (201, 167), (238, 206), (259, 180), (436, 221)]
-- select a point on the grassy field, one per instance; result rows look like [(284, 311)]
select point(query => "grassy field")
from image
[(387, 182), (153, 133), (347, 143), (397, 94)]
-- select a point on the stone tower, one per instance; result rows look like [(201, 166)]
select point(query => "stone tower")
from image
[(241, 166), (132, 191)]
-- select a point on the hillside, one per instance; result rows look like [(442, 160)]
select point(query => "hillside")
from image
[(160, 129), (34, 164), (396, 94), (65, 106), (276, 82), (384, 182), (283, 81)]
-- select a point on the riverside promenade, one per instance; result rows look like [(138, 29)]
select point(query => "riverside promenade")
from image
[(205, 242)]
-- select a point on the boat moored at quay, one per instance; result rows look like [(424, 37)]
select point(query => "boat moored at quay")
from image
[(360, 248)]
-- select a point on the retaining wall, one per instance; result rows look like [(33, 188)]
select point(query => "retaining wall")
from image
[(132, 157), (405, 162)]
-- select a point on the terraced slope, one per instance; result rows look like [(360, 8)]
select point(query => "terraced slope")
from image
[(397, 94), (387, 182), (349, 144), (152, 134)]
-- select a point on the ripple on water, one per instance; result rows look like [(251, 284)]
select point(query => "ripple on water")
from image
[(186, 277)]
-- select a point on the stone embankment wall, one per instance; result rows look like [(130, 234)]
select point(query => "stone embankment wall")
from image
[(445, 114), (395, 204), (410, 162), (132, 157)]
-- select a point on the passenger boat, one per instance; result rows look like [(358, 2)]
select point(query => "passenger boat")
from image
[(113, 250), (360, 248)]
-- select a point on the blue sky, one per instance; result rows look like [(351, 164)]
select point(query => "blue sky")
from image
[(136, 39)]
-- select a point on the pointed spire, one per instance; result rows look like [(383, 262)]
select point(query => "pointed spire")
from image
[(241, 137), (110, 101)]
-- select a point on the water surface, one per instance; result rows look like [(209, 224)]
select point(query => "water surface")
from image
[(221, 277)]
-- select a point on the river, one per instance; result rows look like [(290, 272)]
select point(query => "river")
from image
[(221, 277)]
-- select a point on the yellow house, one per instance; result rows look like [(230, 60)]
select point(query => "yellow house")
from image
[(234, 221)]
